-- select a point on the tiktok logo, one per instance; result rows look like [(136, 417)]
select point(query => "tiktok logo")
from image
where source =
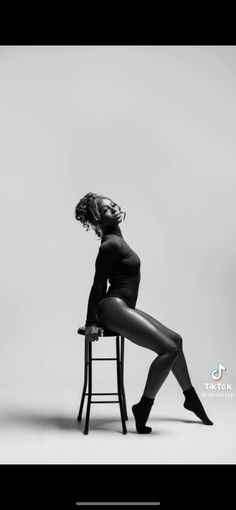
[(217, 373)]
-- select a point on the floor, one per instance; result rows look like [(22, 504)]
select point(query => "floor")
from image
[(41, 428)]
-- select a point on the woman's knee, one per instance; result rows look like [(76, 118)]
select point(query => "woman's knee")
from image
[(179, 341), (173, 351)]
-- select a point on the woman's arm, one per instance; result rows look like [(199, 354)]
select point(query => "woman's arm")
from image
[(107, 256)]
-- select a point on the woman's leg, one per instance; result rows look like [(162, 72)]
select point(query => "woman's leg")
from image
[(179, 367), (180, 370), (116, 315), (146, 331)]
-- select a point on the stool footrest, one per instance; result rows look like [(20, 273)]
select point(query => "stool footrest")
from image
[(98, 359), (102, 393), (104, 401)]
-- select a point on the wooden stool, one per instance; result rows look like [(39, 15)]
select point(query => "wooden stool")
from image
[(88, 378)]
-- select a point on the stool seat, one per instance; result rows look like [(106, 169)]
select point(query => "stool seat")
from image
[(88, 360), (106, 332)]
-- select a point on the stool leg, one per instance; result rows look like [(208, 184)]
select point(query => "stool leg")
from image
[(85, 380), (118, 362), (89, 387), (122, 377)]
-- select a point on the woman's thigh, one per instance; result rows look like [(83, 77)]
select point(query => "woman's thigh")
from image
[(169, 332), (116, 315)]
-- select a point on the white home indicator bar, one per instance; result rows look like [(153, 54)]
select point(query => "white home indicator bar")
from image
[(118, 503)]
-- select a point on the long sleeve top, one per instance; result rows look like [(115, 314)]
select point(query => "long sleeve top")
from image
[(118, 262)]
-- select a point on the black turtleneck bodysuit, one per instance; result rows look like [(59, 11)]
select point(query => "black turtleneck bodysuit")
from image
[(117, 262)]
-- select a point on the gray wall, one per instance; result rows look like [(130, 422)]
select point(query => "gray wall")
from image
[(152, 127)]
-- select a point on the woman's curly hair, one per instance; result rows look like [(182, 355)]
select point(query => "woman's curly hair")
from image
[(88, 214)]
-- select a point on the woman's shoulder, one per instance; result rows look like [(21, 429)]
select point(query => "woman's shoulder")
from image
[(110, 243)]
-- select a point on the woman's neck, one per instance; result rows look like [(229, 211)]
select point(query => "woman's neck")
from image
[(112, 231)]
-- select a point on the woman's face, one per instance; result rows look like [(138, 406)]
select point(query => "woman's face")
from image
[(109, 212)]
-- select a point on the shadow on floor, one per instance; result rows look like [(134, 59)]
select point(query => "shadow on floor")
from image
[(38, 420), (167, 418), (46, 421)]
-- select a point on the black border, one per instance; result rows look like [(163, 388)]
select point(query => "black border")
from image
[(60, 486)]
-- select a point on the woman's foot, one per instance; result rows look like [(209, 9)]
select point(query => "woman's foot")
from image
[(193, 403), (141, 412)]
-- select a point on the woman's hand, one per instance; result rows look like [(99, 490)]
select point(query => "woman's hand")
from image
[(92, 332)]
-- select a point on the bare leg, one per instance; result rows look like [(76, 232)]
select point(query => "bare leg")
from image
[(146, 331), (179, 367), (116, 315), (180, 370)]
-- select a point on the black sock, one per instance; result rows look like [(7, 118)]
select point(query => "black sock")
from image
[(141, 412), (193, 403)]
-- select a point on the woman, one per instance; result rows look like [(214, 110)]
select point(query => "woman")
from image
[(115, 309)]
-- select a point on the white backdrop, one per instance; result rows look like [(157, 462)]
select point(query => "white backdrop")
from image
[(153, 128)]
